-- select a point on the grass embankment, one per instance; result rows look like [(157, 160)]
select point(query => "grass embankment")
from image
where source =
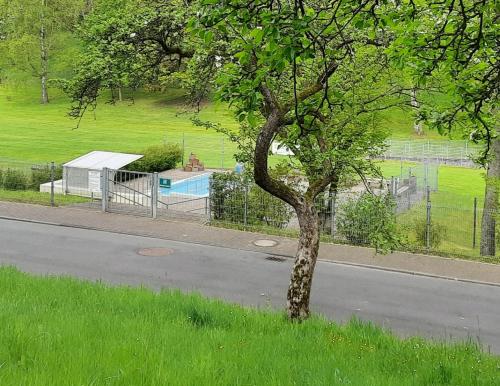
[(58, 331), (32, 197)]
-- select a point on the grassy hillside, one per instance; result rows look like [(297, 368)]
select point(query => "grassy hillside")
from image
[(61, 331), (32, 132)]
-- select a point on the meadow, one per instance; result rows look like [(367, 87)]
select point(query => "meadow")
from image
[(35, 133), (60, 331)]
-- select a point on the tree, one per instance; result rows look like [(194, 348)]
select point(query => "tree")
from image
[(33, 31), (455, 43), (312, 75), (129, 43)]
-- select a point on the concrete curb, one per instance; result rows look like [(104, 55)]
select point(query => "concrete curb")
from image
[(360, 265)]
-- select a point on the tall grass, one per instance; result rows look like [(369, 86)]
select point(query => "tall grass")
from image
[(58, 331)]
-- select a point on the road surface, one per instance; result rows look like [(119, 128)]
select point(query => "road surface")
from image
[(407, 304)]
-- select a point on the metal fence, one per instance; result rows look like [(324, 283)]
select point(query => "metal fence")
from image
[(448, 152), (423, 225), (450, 226), (217, 151), (41, 183)]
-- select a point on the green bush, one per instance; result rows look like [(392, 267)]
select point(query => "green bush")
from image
[(265, 209), (370, 221), (437, 233), (227, 202), (158, 159), (226, 197), (15, 180), (42, 175)]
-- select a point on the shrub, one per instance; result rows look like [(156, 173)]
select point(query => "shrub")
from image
[(227, 202), (437, 233), (158, 159), (226, 196), (41, 175), (15, 180), (369, 220), (265, 209)]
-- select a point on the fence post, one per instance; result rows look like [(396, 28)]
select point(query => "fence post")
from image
[(245, 208), (154, 195), (475, 224), (65, 179), (409, 189), (222, 154), (428, 222), (333, 201), (52, 176), (104, 189), (209, 200), (183, 149)]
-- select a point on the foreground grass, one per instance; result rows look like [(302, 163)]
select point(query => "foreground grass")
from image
[(59, 331), (32, 197)]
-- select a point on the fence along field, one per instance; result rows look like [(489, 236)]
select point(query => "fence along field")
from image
[(448, 224)]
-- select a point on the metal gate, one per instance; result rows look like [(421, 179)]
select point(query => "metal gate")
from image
[(129, 192), (138, 193)]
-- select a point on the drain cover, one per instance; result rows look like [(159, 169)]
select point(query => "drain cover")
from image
[(265, 243), (155, 251), (279, 259)]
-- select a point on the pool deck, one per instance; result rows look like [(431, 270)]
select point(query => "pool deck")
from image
[(179, 174)]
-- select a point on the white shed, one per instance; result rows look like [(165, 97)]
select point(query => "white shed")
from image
[(82, 176)]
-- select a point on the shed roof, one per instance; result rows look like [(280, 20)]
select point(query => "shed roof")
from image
[(98, 160)]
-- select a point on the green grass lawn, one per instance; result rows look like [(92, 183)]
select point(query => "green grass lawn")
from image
[(32, 197), (452, 207), (35, 133), (59, 331)]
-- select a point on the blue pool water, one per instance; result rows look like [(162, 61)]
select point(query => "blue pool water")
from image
[(195, 186)]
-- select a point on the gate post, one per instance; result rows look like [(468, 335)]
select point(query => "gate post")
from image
[(428, 220), (52, 175), (209, 206), (245, 206), (474, 229), (104, 189), (154, 195)]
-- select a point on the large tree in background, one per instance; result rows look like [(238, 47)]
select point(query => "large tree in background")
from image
[(457, 44), (130, 43), (32, 33)]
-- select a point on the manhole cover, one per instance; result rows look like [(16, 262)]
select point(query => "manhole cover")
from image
[(155, 251), (265, 243)]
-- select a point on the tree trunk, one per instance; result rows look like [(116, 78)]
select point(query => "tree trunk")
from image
[(491, 196), (44, 58), (120, 98), (417, 126), (299, 290)]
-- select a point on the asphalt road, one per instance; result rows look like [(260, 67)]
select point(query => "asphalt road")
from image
[(407, 304)]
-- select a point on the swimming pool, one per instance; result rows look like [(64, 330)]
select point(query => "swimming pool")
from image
[(194, 186)]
